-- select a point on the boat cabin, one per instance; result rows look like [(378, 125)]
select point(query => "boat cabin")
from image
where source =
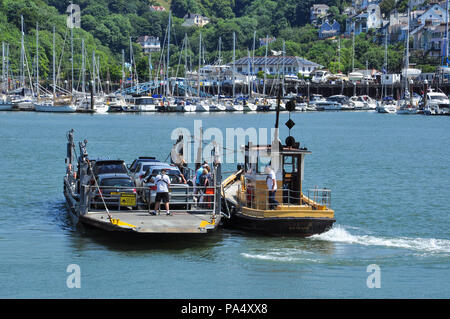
[(287, 162)]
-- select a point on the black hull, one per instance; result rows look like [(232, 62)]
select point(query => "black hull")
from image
[(294, 226)]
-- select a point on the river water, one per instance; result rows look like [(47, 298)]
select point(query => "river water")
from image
[(390, 181)]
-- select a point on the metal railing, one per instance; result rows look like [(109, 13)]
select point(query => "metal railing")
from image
[(263, 199), (134, 199)]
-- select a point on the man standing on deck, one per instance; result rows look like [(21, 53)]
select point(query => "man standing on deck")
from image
[(162, 182), (271, 181)]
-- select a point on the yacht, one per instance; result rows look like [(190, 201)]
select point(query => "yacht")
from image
[(63, 104), (388, 105), (344, 102), (437, 103), (5, 103), (147, 103)]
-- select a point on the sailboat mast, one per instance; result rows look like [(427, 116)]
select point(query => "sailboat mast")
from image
[(22, 55), (446, 34), (71, 43), (123, 71), (234, 62), (353, 48), (37, 60), (93, 71), (265, 65), (168, 54), (199, 62), (283, 65), (54, 64), (253, 61), (220, 67), (83, 67)]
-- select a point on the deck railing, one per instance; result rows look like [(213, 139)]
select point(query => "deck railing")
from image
[(317, 199), (181, 198)]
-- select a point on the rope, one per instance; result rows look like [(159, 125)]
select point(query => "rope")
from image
[(100, 192)]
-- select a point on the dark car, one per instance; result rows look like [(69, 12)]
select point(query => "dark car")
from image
[(115, 190), (109, 167), (140, 160)]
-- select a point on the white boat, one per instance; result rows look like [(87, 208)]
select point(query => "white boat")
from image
[(85, 105), (249, 106), (411, 73), (146, 104), (342, 100), (202, 106), (233, 106), (217, 106), (363, 102), (355, 76), (328, 106), (58, 105), (437, 103), (388, 105), (115, 103), (5, 103)]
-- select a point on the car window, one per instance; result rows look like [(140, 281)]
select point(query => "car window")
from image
[(110, 168), (117, 182)]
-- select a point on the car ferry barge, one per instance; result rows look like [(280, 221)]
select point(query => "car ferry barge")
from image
[(124, 209)]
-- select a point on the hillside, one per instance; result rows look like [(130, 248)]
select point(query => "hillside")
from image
[(107, 27)]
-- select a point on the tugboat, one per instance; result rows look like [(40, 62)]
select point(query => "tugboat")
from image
[(250, 205)]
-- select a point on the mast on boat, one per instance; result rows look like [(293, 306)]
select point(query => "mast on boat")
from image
[(265, 66), (54, 65), (168, 55), (234, 63), (37, 60)]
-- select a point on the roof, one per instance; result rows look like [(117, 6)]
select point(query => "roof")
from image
[(276, 60)]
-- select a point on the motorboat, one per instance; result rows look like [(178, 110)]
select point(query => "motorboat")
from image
[(343, 100), (147, 103), (387, 105), (437, 103), (5, 103), (115, 103)]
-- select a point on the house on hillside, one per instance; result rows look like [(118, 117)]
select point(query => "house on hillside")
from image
[(435, 14), (329, 30), (157, 8), (198, 20), (149, 43), (318, 12), (430, 38), (266, 41), (362, 22)]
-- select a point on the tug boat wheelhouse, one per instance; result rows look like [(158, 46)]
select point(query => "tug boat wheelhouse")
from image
[(247, 200)]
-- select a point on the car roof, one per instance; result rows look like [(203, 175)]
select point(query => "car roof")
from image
[(109, 161), (167, 166), (112, 175)]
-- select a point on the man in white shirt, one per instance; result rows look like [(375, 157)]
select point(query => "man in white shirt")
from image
[(271, 181), (162, 182)]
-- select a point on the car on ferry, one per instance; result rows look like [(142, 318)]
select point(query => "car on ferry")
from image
[(140, 165), (112, 188), (106, 166)]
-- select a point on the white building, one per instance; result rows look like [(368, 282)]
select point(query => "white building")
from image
[(274, 65), (149, 43)]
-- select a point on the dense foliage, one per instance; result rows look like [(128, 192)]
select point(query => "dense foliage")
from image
[(108, 25)]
